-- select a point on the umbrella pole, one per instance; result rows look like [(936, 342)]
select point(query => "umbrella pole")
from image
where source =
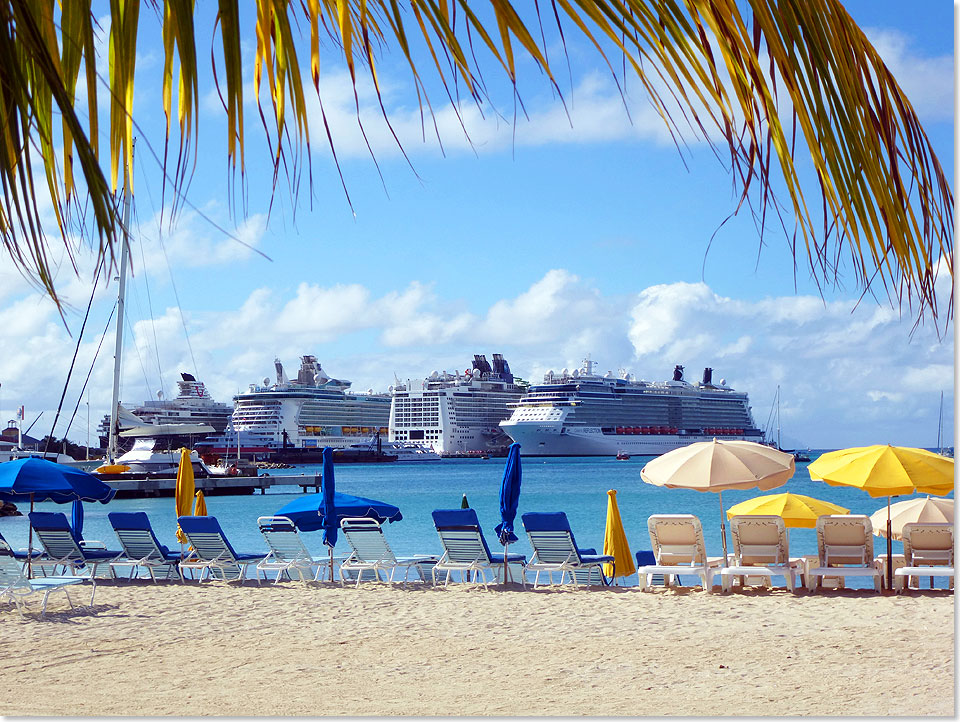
[(889, 548), (331, 563), (723, 531), (506, 548), (30, 546)]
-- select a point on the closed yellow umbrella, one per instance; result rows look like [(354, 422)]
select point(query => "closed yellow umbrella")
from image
[(200, 505), (796, 510), (183, 495), (923, 511), (615, 542)]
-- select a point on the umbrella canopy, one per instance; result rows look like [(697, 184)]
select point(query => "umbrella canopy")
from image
[(719, 466), (330, 522), (308, 511), (76, 520), (884, 470), (615, 541), (929, 511), (509, 496), (200, 504), (41, 480), (796, 510), (183, 494)]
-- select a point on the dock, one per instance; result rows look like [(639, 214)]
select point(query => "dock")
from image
[(211, 485)]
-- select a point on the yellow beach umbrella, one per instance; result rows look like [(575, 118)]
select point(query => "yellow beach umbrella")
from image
[(924, 511), (200, 505), (796, 510), (615, 542), (183, 495)]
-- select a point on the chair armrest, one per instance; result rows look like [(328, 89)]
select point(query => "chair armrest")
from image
[(92, 544)]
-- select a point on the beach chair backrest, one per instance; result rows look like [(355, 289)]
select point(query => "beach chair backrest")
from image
[(844, 539), (677, 539), (11, 570), (54, 532), (207, 538), (282, 538), (460, 535), (551, 537), (926, 544), (760, 540), (366, 538), (136, 535)]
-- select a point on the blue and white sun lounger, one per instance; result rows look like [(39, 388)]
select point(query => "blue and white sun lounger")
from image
[(15, 584), (212, 552), (464, 548), (140, 545), (288, 553), (62, 549), (20, 554), (371, 552), (555, 550)]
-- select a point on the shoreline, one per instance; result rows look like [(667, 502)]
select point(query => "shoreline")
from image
[(320, 649)]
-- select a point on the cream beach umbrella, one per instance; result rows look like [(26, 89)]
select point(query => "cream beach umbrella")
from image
[(720, 466), (924, 511)]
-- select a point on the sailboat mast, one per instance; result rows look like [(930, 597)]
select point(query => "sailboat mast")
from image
[(940, 427), (121, 296), (779, 440)]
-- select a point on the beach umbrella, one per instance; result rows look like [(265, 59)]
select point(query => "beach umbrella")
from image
[(720, 466), (308, 511), (464, 504), (200, 504), (885, 470), (796, 510), (76, 520), (34, 479), (923, 511), (615, 541), (509, 499), (183, 494), (330, 523)]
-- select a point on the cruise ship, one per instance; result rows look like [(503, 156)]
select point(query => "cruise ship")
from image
[(457, 414), (301, 415), (585, 414), (193, 405)]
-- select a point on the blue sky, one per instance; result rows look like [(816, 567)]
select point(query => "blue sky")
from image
[(542, 242)]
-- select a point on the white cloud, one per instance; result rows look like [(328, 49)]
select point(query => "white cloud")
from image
[(928, 81)]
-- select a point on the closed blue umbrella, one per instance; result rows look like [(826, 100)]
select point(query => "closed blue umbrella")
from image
[(509, 499), (76, 520), (330, 522), (307, 512)]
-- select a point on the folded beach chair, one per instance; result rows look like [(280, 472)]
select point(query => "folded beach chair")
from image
[(760, 549), (15, 584), (464, 548), (677, 541), (371, 552), (140, 545), (927, 552), (61, 548), (555, 550), (212, 551), (844, 549), (288, 553)]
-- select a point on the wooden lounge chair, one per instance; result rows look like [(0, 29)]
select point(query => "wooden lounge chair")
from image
[(288, 553), (140, 545), (62, 549), (371, 552), (15, 584), (927, 552), (844, 549), (555, 550), (678, 546), (464, 548), (212, 553), (760, 549)]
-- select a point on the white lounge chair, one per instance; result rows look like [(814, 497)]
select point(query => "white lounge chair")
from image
[(15, 584), (62, 549), (140, 545), (212, 552), (288, 553), (464, 548), (927, 552), (678, 546), (555, 550), (371, 552), (760, 549), (844, 549)]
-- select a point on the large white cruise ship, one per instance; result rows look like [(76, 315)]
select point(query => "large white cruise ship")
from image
[(585, 414), (309, 412), (457, 414)]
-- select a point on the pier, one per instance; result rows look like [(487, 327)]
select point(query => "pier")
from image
[(211, 485)]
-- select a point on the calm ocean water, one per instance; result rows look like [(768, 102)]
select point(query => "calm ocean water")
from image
[(577, 486)]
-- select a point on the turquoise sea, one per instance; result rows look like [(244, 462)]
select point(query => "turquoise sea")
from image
[(577, 486)]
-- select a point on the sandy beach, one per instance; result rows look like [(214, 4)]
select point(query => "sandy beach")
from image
[(319, 649)]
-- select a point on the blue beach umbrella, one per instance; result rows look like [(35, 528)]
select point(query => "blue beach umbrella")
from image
[(330, 522), (307, 512), (509, 499), (76, 520)]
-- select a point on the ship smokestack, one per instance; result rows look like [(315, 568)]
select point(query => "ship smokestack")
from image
[(678, 373), (708, 376)]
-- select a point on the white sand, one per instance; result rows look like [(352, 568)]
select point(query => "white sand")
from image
[(319, 649)]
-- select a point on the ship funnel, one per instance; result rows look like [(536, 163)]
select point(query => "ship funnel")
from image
[(708, 376), (678, 373)]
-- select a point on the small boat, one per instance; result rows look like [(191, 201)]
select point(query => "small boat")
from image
[(623, 456)]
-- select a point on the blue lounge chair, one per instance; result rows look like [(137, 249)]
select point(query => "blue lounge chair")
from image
[(140, 545), (21, 554), (288, 553), (62, 549), (555, 550), (464, 548), (212, 551), (371, 552), (15, 584)]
